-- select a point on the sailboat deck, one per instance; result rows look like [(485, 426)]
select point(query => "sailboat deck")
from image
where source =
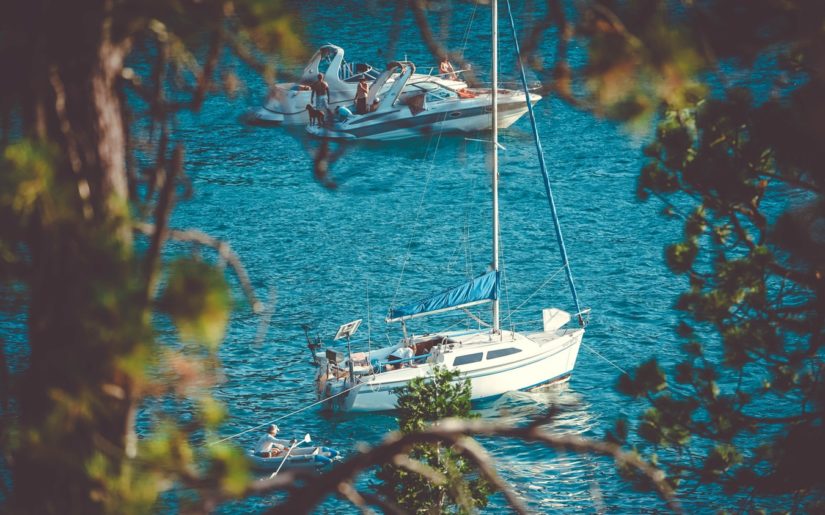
[(477, 352)]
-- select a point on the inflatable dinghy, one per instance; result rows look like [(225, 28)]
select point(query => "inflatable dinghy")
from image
[(306, 458)]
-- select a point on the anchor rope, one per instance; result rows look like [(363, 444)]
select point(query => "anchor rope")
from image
[(283, 416), (594, 351)]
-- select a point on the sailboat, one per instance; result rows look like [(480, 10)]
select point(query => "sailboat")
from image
[(495, 360)]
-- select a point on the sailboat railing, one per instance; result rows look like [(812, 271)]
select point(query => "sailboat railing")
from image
[(543, 166)]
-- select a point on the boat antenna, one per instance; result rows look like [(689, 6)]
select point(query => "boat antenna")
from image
[(494, 98), (543, 166)]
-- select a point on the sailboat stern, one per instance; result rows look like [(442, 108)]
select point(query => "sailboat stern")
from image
[(338, 393)]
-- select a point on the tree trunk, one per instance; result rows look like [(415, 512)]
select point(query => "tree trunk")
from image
[(85, 309)]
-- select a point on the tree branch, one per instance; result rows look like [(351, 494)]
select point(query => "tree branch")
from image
[(205, 78), (353, 496), (449, 431), (473, 450), (224, 251), (162, 213), (72, 148)]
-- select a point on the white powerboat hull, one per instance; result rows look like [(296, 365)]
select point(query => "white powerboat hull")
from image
[(458, 121), (412, 111), (287, 102)]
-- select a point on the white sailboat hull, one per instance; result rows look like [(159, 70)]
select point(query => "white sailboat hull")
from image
[(544, 357)]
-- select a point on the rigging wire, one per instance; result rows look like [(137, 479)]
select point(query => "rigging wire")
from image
[(506, 283), (546, 281), (369, 317), (468, 29), (417, 216), (594, 351), (429, 171)]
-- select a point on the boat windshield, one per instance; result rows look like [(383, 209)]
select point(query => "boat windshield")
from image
[(352, 72), (435, 92), (370, 74)]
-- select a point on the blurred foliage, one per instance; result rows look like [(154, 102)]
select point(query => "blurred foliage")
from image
[(738, 92), (197, 298), (450, 484), (81, 170)]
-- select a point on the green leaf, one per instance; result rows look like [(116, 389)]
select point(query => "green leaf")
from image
[(197, 297), (680, 256)]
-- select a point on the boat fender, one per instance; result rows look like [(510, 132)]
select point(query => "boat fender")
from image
[(322, 461)]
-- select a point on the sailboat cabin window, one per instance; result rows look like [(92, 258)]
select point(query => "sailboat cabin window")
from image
[(500, 353), (467, 359)]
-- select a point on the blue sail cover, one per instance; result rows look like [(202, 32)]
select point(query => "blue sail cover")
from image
[(483, 288)]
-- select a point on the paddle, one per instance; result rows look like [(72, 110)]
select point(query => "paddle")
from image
[(306, 439)]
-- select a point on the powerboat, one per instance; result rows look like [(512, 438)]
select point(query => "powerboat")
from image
[(410, 108), (287, 101)]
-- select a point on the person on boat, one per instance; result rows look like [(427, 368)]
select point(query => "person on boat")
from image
[(268, 446), (361, 96), (320, 93), (446, 69), (342, 113)]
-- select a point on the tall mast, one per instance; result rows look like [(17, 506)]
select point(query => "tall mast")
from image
[(494, 79)]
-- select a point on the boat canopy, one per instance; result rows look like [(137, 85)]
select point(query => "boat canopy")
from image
[(483, 288)]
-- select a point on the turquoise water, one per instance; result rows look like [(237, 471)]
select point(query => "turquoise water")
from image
[(421, 208)]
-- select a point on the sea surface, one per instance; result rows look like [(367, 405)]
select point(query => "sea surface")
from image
[(409, 218)]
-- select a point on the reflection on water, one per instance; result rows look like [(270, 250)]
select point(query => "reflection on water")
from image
[(543, 477)]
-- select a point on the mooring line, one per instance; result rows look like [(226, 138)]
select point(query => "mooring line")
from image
[(284, 416)]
